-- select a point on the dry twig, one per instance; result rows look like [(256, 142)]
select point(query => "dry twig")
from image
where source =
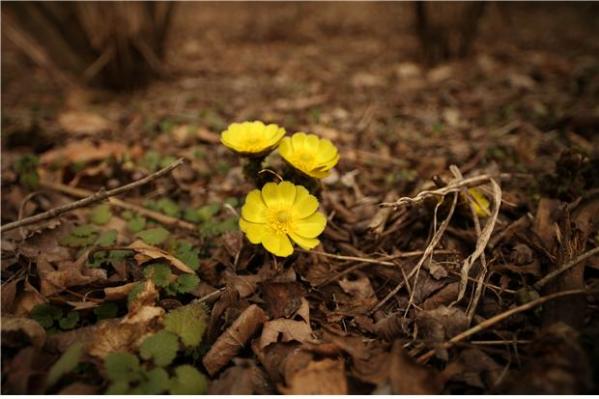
[(502, 316), (541, 283), (90, 198)]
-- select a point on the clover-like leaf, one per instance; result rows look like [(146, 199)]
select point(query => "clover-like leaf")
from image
[(188, 322), (135, 291), (67, 363), (136, 224), (161, 347), (80, 236), (69, 321), (122, 366), (154, 236), (45, 314), (120, 387), (100, 214), (186, 283), (160, 274), (168, 206), (188, 254), (188, 381), (107, 310), (107, 238), (156, 381)]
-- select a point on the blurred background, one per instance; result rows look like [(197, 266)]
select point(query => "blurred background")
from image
[(390, 78)]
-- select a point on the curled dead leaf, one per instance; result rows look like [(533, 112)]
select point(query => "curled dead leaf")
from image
[(232, 340), (145, 252)]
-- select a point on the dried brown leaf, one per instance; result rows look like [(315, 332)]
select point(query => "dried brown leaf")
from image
[(145, 252), (245, 378), (282, 299), (325, 377), (84, 152), (410, 378), (15, 328), (233, 339), (83, 122)]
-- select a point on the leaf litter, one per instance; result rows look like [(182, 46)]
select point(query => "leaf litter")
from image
[(156, 291)]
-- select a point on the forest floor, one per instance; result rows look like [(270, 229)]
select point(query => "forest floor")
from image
[(428, 295)]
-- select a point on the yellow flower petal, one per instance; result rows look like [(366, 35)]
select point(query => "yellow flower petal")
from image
[(305, 204), (309, 154), (311, 226), (254, 209), (253, 231), (306, 243), (277, 244), (252, 138), (287, 193), (270, 195)]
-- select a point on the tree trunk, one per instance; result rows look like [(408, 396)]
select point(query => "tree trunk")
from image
[(115, 45), (447, 30)]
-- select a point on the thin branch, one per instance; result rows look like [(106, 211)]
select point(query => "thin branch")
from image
[(426, 254), (91, 198), (541, 283), (500, 317)]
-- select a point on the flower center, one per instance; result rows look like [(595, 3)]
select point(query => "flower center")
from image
[(280, 221), (254, 143), (305, 160)]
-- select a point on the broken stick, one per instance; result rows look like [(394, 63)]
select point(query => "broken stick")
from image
[(91, 199)]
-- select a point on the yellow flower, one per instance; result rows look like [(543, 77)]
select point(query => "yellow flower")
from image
[(479, 203), (252, 138), (281, 211), (309, 154)]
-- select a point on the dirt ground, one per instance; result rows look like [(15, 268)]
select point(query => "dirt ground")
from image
[(424, 296)]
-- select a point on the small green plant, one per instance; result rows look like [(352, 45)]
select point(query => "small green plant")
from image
[(26, 168), (100, 215), (188, 322), (50, 317), (154, 236), (67, 363), (161, 348), (80, 236)]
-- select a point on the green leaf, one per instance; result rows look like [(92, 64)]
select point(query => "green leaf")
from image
[(169, 207), (160, 274), (120, 387), (161, 347), (107, 238), (100, 214), (188, 381), (186, 283), (107, 310), (154, 236), (156, 381), (151, 161), (26, 168), (67, 363), (136, 224), (212, 228), (110, 257), (69, 321), (45, 314), (201, 214), (122, 366), (188, 322), (135, 291), (186, 253), (80, 236)]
